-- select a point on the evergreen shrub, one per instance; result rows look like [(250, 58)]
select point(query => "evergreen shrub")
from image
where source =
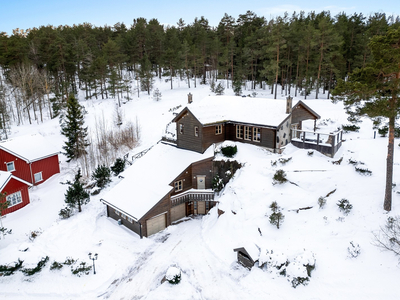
[(81, 269), (279, 177), (351, 127), (229, 151), (118, 167), (102, 175), (9, 270), (37, 269), (345, 206)]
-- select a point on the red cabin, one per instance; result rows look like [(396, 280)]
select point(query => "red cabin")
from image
[(30, 158), (16, 191)]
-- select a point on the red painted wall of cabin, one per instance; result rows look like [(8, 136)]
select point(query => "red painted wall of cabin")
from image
[(12, 187), (21, 167), (48, 166)]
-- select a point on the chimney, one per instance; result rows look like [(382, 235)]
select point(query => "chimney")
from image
[(289, 104), (190, 98)]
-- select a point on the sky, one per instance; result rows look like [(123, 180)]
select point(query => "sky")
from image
[(26, 14)]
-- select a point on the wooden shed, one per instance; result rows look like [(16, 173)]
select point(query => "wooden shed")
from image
[(247, 258)]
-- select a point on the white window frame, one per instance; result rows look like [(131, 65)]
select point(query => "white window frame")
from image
[(178, 185), (239, 131), (117, 212), (41, 177), (218, 129), (196, 130), (257, 134), (181, 128), (247, 133), (11, 163), (14, 199)]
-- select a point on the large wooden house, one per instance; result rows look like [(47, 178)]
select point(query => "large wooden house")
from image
[(160, 188), (262, 122), (31, 158), (15, 191)]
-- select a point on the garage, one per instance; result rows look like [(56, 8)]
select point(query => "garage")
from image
[(156, 224), (178, 212)]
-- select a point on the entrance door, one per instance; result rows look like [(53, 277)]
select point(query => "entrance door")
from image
[(201, 207), (201, 182)]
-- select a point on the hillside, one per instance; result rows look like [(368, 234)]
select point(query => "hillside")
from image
[(131, 268)]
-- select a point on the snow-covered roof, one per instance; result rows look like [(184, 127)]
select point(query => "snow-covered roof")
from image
[(262, 111), (147, 181), (5, 177), (30, 147)]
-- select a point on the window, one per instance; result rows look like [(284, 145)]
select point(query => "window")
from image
[(123, 216), (10, 166), (178, 185), (130, 220), (196, 130), (256, 134), (181, 128), (38, 177), (239, 131), (117, 212), (247, 133), (218, 129), (14, 199)]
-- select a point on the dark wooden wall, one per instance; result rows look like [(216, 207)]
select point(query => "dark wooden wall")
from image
[(299, 114), (134, 226), (267, 136), (188, 140), (209, 136), (164, 205), (204, 167)]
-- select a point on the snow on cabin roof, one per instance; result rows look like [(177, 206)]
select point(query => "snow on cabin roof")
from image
[(261, 111), (5, 178), (147, 181), (30, 147)]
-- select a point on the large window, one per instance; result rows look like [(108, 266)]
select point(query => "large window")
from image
[(239, 131), (10, 166), (14, 199), (178, 186), (256, 134), (38, 177), (247, 133), (181, 128), (218, 129)]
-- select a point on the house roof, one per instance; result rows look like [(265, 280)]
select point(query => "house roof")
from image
[(5, 177), (261, 111), (147, 181), (30, 147)]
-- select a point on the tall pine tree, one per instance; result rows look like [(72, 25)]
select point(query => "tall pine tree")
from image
[(76, 194), (73, 129)]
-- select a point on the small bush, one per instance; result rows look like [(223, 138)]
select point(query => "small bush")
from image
[(352, 127), (279, 177), (9, 270), (353, 250), (217, 184), (102, 175), (229, 151), (56, 266), (321, 202), (173, 275), (37, 269), (310, 153), (34, 234), (65, 213), (353, 162), (383, 131), (300, 280), (69, 261), (363, 171), (118, 167), (276, 218), (283, 161), (81, 269), (388, 237), (345, 206)]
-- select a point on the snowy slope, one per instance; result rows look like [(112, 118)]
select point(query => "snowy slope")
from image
[(131, 268)]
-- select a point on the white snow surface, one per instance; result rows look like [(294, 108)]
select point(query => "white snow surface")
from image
[(30, 147), (263, 111), (132, 268), (4, 178), (147, 181)]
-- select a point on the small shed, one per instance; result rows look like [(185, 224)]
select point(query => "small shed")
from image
[(247, 257)]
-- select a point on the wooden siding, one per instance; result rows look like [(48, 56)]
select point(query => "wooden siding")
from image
[(300, 113), (161, 207), (209, 137), (48, 166), (22, 169), (188, 140), (12, 187), (267, 136), (134, 226), (186, 177), (204, 167)]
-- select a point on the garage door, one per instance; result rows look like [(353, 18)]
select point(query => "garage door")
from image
[(155, 224), (178, 212)]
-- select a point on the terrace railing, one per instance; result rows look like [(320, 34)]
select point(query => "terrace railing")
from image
[(192, 195)]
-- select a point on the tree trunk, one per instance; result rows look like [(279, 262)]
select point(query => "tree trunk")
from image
[(387, 204)]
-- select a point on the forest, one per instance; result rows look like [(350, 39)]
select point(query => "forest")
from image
[(40, 67)]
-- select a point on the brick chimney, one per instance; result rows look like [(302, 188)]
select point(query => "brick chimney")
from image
[(289, 104), (190, 98)]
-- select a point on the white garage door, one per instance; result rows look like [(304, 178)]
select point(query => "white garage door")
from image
[(178, 212), (155, 224)]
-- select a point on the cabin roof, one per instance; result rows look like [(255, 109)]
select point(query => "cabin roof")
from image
[(147, 181), (5, 177), (261, 111), (250, 250), (29, 147)]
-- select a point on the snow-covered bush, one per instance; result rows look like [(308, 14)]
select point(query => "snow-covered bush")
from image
[(40, 265), (7, 270), (118, 166), (321, 202), (34, 234), (347, 128), (56, 265), (353, 250), (217, 183), (283, 161), (173, 275), (65, 212), (102, 175), (229, 150), (363, 171), (345, 206), (388, 237), (279, 177), (81, 269), (276, 218)]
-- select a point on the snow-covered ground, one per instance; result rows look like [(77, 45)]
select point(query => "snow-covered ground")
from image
[(131, 268)]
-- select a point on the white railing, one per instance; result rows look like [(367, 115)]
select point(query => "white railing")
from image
[(192, 195)]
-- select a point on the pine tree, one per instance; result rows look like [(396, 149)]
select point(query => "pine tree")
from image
[(118, 167), (73, 129), (157, 95), (276, 218), (102, 176), (374, 91), (76, 195)]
